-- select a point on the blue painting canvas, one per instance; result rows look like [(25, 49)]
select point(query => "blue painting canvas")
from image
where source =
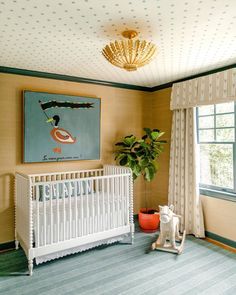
[(60, 127)]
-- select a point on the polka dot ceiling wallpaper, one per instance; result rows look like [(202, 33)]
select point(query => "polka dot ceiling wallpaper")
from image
[(67, 36)]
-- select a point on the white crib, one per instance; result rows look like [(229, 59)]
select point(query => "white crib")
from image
[(67, 212)]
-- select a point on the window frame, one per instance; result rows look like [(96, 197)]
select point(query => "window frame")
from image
[(212, 190)]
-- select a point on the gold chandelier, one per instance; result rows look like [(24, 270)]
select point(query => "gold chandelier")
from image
[(129, 54)]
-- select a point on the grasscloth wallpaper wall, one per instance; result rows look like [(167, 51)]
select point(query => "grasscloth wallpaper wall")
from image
[(122, 112), (161, 119)]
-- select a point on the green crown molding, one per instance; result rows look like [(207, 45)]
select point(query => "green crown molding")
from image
[(169, 84), (46, 75)]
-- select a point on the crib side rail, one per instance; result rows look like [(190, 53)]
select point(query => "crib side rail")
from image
[(73, 208), (115, 169), (42, 177), (23, 212)]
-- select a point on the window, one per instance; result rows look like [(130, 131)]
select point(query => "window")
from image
[(216, 139)]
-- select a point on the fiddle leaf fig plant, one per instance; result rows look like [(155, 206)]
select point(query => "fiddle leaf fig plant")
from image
[(141, 154)]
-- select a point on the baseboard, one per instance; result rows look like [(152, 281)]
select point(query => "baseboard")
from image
[(210, 235), (220, 239), (7, 246)]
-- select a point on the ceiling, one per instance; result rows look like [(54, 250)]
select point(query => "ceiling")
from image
[(67, 36)]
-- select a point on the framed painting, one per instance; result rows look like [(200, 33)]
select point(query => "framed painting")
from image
[(60, 127)]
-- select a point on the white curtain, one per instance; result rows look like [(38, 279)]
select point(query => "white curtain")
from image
[(183, 183)]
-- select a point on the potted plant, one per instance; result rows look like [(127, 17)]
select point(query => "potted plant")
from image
[(141, 156)]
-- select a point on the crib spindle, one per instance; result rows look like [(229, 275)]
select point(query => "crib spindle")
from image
[(51, 214), (70, 213), (93, 205), (76, 208), (108, 203), (117, 200), (64, 212), (81, 208), (44, 218), (97, 219), (103, 206), (58, 212), (87, 207), (122, 200), (127, 199), (113, 203), (37, 215)]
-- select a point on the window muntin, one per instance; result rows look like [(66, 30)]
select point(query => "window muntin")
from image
[(216, 139)]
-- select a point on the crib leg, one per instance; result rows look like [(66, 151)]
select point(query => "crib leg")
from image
[(30, 267), (16, 244), (131, 238), (16, 241), (132, 234)]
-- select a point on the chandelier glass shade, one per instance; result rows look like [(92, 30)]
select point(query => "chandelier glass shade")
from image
[(129, 54)]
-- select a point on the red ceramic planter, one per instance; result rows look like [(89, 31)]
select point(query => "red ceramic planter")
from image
[(148, 222)]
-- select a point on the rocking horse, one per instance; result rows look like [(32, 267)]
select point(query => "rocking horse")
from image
[(169, 232)]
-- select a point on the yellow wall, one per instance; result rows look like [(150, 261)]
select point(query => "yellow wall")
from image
[(220, 217), (122, 113), (161, 119)]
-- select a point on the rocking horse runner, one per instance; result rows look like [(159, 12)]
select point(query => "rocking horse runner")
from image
[(169, 232)]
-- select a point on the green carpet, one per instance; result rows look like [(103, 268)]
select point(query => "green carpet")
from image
[(203, 268)]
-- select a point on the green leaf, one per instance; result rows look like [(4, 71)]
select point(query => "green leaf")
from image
[(129, 140), (120, 144), (154, 135), (156, 165), (149, 173), (120, 156), (134, 155), (137, 170), (160, 134), (140, 140), (144, 145), (137, 149), (145, 137), (162, 141), (124, 161), (130, 158), (129, 136), (147, 130), (144, 161)]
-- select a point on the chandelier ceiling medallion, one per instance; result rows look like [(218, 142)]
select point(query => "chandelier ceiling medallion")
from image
[(129, 54)]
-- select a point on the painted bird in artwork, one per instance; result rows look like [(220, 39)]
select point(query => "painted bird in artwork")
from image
[(59, 134)]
